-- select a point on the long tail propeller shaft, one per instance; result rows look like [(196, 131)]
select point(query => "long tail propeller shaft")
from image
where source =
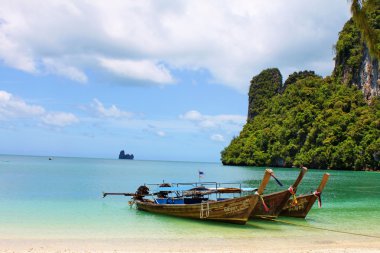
[(105, 194), (127, 194)]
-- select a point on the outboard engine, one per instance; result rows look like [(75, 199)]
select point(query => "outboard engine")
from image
[(141, 192)]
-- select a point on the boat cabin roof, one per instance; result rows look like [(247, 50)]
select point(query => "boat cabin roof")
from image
[(176, 188), (180, 188)]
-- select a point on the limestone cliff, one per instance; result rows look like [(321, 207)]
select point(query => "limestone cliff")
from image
[(263, 86), (353, 63), (314, 122), (369, 79)]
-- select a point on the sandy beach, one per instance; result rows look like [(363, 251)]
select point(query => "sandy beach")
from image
[(326, 243)]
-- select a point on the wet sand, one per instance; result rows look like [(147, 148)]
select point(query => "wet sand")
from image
[(324, 243)]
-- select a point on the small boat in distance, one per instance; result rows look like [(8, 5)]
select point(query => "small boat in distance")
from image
[(305, 202), (231, 210), (273, 203)]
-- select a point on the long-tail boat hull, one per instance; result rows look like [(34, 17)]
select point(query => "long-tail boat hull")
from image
[(276, 201), (301, 209), (304, 202), (235, 210)]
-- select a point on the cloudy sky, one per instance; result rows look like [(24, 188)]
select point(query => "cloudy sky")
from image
[(165, 80)]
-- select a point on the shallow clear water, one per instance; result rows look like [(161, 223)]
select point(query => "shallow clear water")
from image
[(62, 198)]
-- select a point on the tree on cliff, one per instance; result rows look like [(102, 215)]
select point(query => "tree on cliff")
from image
[(361, 10), (267, 84)]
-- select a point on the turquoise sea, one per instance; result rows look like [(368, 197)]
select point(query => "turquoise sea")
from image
[(62, 198)]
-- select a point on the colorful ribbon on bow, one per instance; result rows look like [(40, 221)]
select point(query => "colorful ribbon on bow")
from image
[(263, 202), (291, 190), (318, 195)]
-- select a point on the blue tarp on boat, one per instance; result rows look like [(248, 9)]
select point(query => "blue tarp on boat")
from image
[(163, 201)]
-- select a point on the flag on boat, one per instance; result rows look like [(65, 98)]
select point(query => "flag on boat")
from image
[(200, 173)]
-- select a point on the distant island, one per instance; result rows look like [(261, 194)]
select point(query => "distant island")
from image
[(321, 123), (123, 155)]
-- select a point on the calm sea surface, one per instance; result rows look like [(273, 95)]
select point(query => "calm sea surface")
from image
[(62, 198)]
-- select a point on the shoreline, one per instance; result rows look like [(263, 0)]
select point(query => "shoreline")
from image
[(323, 243)]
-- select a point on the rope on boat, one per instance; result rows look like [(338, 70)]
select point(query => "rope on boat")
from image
[(263, 202), (319, 228), (318, 195), (131, 203), (291, 190), (275, 178)]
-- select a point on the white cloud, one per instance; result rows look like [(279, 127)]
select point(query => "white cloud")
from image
[(192, 115), (226, 124), (217, 138), (111, 112), (213, 121), (149, 40), (140, 70), (13, 55), (161, 133), (60, 119), (55, 67), (13, 108)]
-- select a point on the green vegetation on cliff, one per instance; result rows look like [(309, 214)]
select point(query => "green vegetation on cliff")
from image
[(315, 122), (265, 85), (365, 13), (349, 54)]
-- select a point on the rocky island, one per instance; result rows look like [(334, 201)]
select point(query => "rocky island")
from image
[(324, 123), (123, 155)]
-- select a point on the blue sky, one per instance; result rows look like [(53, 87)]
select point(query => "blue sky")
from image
[(164, 80)]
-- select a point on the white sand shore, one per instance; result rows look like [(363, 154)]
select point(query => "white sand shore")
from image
[(326, 243)]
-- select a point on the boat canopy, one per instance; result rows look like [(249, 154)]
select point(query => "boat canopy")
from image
[(197, 188), (248, 189), (176, 188)]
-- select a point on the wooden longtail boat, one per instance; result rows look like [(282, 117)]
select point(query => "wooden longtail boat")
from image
[(304, 202), (272, 204), (235, 210)]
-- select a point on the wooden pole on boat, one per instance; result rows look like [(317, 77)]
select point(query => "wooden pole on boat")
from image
[(265, 181), (325, 178), (105, 194), (299, 178), (268, 173), (127, 194), (319, 190)]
